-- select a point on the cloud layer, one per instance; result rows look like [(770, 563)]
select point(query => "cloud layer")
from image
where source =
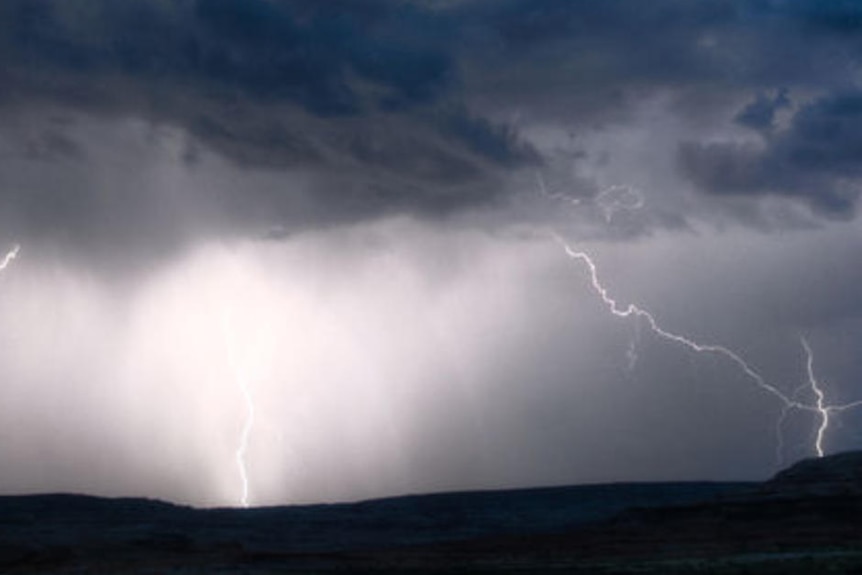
[(381, 106)]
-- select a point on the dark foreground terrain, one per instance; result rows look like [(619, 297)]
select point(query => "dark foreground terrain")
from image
[(808, 519)]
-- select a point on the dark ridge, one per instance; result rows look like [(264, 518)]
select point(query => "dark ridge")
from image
[(804, 520), (63, 503), (835, 474)]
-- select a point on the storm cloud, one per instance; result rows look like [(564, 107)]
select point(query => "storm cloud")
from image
[(816, 158), (383, 107), (357, 94)]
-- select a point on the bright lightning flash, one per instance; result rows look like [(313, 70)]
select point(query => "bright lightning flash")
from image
[(11, 255), (822, 409), (242, 381), (815, 387), (788, 402)]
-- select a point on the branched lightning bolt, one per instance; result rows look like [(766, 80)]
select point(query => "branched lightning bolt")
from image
[(822, 409), (789, 403), (633, 311), (626, 197), (242, 382), (10, 255)]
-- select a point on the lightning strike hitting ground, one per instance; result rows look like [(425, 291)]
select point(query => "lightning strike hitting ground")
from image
[(788, 402), (242, 382), (11, 255), (815, 387), (823, 410)]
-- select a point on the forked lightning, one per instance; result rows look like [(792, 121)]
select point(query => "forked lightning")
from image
[(789, 402)]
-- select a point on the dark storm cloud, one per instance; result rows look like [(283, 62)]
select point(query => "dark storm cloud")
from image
[(297, 51), (596, 54), (362, 89), (614, 41), (817, 158), (760, 114), (388, 106), (589, 65)]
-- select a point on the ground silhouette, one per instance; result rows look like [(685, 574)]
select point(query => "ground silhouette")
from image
[(806, 519)]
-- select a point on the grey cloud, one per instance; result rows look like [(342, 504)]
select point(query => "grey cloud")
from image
[(590, 66), (816, 159), (359, 99), (760, 114), (208, 64), (297, 51), (384, 106), (589, 60)]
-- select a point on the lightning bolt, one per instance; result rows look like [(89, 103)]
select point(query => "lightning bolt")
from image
[(10, 256), (633, 311), (815, 387), (242, 383), (822, 410), (617, 198), (789, 403)]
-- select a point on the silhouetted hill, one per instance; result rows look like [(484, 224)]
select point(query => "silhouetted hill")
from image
[(803, 520), (839, 474)]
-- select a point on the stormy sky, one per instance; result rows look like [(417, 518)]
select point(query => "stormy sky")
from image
[(318, 243)]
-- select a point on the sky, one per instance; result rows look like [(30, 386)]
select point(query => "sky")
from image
[(292, 251)]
